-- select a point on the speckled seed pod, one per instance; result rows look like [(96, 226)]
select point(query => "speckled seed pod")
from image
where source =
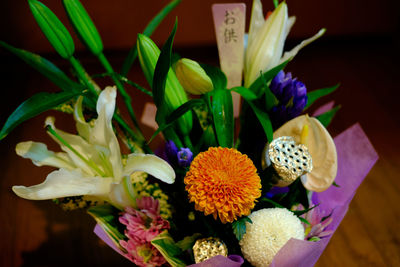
[(207, 248), (289, 159)]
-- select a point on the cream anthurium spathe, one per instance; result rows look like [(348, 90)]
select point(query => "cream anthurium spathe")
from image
[(266, 41), (91, 162)]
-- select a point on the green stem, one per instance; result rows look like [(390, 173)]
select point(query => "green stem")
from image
[(188, 142), (82, 75), (127, 98)]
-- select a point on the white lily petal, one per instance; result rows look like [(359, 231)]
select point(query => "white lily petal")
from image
[(65, 183), (267, 47), (292, 53), (123, 194), (256, 21), (103, 134), (79, 144), (150, 164), (81, 125), (41, 156)]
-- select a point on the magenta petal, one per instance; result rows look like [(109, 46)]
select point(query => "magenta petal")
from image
[(221, 261)]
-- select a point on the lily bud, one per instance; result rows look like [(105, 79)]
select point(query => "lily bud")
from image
[(192, 77), (175, 96), (83, 25), (53, 29)]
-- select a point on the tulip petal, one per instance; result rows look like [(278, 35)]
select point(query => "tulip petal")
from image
[(41, 156), (103, 134), (150, 164), (290, 54), (65, 183)]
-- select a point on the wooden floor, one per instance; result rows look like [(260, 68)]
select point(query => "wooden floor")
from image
[(41, 234)]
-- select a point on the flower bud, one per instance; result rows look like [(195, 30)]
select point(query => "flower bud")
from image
[(175, 96), (192, 77), (83, 25), (53, 29)]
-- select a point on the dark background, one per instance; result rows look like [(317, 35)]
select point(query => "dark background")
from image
[(359, 50)]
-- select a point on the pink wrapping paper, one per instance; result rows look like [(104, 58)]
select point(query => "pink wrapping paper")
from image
[(356, 157)]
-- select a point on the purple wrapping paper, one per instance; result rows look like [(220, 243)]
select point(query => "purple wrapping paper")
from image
[(356, 157)]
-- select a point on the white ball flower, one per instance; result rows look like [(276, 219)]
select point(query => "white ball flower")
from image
[(269, 232)]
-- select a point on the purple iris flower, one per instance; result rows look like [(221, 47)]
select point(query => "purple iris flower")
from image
[(178, 157), (292, 97), (185, 157)]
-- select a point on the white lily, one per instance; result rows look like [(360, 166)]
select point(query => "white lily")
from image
[(91, 163), (266, 41)]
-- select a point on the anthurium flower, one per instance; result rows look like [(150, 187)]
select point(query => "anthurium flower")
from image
[(91, 162), (266, 41)]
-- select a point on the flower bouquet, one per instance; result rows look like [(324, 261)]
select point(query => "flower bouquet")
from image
[(245, 175)]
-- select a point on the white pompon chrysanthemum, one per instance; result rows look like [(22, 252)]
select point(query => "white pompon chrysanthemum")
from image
[(269, 232)]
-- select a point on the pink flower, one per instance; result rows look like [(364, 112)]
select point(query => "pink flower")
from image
[(142, 226), (318, 224)]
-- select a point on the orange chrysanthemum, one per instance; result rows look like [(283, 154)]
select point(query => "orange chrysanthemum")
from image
[(223, 182)]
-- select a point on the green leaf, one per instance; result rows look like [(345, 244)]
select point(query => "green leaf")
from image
[(276, 3), (222, 111), (264, 120), (270, 99), (162, 67), (304, 220), (53, 29), (188, 242), (316, 94), (264, 199), (216, 75), (239, 227), (301, 212), (107, 217), (83, 25), (245, 93), (327, 117), (335, 184), (176, 114), (167, 247), (34, 106), (257, 85), (45, 67), (153, 24)]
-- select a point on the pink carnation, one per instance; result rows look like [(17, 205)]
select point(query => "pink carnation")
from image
[(142, 226)]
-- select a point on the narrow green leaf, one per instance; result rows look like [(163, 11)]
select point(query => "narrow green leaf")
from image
[(33, 107), (270, 99), (276, 204), (301, 212), (335, 184), (176, 114), (53, 29), (83, 25), (239, 227), (153, 24), (217, 76), (45, 67), (327, 117), (161, 71), (264, 120), (257, 85), (245, 93), (167, 247), (222, 111), (304, 220), (316, 94), (107, 217)]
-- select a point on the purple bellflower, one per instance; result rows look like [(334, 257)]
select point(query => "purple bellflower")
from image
[(292, 97), (182, 157)]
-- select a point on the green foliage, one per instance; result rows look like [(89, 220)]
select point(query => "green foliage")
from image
[(53, 29), (167, 247), (257, 86), (317, 94), (34, 106), (83, 25), (264, 120), (153, 24), (222, 111), (188, 242), (45, 67), (239, 227), (216, 75), (327, 117), (107, 217), (245, 93)]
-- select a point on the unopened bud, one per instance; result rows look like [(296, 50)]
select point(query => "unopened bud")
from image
[(192, 77)]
